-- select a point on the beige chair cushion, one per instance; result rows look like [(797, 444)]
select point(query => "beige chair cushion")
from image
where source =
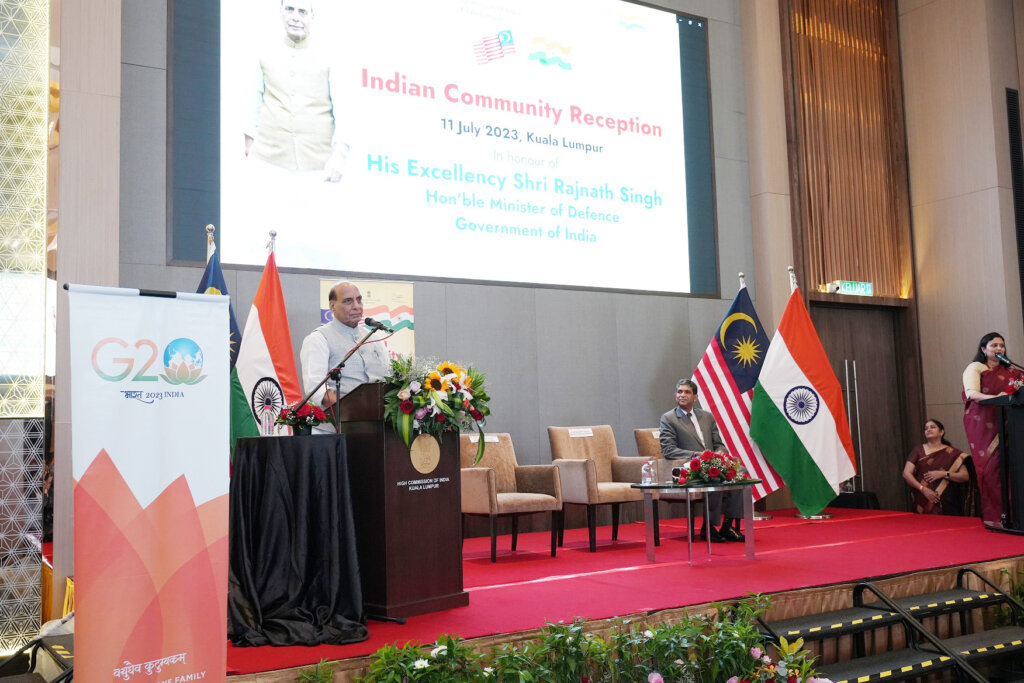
[(648, 443), (617, 492), (598, 445), (499, 456), (526, 502)]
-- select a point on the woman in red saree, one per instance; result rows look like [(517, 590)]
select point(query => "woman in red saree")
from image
[(987, 377), (935, 470)]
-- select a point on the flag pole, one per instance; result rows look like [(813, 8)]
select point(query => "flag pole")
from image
[(759, 515), (792, 279), (210, 246), (272, 244)]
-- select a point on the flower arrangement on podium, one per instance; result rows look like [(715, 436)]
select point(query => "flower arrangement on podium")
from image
[(428, 397), (301, 418), (712, 467)]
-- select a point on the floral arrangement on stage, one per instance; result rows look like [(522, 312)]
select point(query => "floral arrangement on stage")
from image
[(723, 645), (711, 467), (433, 398), (301, 417)]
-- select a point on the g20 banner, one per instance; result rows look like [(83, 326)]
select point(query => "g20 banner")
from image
[(149, 408)]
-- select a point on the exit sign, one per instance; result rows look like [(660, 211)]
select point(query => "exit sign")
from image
[(856, 288)]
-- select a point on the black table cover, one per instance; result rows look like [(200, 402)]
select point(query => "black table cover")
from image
[(294, 573)]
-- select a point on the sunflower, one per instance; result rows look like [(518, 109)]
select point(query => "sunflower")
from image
[(449, 368), (435, 382)]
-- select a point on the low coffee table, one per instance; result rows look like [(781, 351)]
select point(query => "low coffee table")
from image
[(690, 490)]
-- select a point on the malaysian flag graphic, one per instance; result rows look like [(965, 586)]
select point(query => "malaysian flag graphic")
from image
[(494, 47), (726, 375)]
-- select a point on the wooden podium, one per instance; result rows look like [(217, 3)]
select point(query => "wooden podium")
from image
[(407, 520)]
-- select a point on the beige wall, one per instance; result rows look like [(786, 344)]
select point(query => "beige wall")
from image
[(770, 212), (959, 56), (90, 46)]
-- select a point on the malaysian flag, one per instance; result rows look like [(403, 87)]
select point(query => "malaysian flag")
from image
[(727, 374), (494, 47)]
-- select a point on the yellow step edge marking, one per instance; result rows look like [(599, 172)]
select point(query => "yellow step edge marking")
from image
[(915, 607), (982, 649), (968, 599), (983, 596), (926, 664), (943, 658), (885, 674), (793, 633), (950, 602), (933, 604), (905, 669), (999, 646), (813, 629), (1015, 642), (863, 679), (856, 621), (877, 616), (837, 625)]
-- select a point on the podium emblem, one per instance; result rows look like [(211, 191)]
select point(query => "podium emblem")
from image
[(425, 453)]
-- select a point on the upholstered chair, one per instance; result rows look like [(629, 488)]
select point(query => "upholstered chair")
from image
[(498, 486), (593, 473), (648, 445)]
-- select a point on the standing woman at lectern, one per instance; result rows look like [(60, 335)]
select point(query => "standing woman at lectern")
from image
[(987, 377)]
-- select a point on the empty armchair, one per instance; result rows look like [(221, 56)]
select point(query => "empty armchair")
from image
[(592, 472), (498, 486)]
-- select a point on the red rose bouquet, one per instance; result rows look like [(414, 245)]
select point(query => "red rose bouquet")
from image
[(712, 468), (306, 415)]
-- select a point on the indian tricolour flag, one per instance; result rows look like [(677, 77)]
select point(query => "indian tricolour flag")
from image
[(266, 362), (797, 415)]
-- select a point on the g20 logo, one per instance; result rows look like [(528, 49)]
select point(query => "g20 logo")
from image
[(114, 359)]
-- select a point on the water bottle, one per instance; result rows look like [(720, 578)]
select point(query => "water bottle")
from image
[(647, 472)]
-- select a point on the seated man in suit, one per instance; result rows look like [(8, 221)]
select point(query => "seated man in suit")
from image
[(685, 431)]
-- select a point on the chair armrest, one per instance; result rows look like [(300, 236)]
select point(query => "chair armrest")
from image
[(479, 494), (539, 479), (579, 480), (627, 469)]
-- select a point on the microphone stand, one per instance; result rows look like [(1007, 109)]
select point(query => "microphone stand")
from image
[(335, 374)]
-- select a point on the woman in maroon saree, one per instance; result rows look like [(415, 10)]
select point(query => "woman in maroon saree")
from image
[(987, 377), (935, 471)]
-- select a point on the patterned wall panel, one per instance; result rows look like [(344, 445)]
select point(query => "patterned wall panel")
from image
[(21, 471), (24, 100)]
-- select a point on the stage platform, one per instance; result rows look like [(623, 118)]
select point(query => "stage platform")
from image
[(515, 596)]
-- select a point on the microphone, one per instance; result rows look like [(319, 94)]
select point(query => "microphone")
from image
[(1003, 359), (370, 322)]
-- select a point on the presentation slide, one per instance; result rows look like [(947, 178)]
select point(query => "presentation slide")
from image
[(525, 141)]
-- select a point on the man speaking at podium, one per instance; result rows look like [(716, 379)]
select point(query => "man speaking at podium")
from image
[(326, 346)]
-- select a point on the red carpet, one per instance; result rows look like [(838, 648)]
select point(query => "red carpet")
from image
[(526, 588)]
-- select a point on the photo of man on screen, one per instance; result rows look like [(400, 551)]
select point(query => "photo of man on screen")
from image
[(293, 124)]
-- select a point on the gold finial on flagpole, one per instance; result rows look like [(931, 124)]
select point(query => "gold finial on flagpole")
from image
[(792, 279), (210, 246), (272, 244), (743, 280)]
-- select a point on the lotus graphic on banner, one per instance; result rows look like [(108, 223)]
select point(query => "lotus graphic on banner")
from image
[(183, 362)]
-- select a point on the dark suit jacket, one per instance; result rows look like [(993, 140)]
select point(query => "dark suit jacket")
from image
[(679, 439)]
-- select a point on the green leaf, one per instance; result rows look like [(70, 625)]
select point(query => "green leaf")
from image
[(403, 425), (479, 444)]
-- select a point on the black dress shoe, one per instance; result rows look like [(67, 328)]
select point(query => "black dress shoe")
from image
[(730, 534), (715, 536)]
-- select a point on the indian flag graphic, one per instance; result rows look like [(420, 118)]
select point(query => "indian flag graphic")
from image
[(797, 414)]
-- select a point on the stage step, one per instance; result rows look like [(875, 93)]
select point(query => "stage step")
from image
[(23, 678), (905, 664), (874, 615), (896, 665)]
